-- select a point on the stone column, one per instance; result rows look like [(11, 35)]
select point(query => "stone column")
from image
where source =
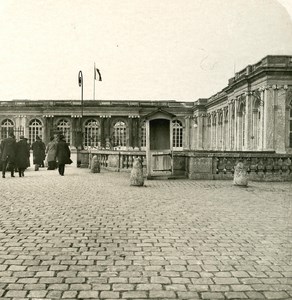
[(102, 131), (129, 142), (186, 133), (283, 98), (225, 124), (235, 129), (269, 118), (200, 133), (248, 121), (135, 132), (108, 128), (262, 119), (230, 127)]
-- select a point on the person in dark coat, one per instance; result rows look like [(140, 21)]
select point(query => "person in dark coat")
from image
[(8, 149), (62, 154), (22, 155), (39, 150)]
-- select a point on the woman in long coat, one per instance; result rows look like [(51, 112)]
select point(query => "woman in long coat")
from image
[(22, 155), (63, 155), (51, 154)]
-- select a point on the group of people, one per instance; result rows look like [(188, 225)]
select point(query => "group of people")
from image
[(15, 156)]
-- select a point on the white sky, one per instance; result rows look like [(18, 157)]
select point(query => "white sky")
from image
[(145, 49)]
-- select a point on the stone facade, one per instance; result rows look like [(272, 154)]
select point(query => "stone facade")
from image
[(253, 113)]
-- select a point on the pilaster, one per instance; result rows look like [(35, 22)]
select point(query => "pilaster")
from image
[(269, 117), (283, 97), (186, 133), (248, 121)]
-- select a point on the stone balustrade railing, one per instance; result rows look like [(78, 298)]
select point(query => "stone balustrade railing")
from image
[(117, 160), (261, 166)]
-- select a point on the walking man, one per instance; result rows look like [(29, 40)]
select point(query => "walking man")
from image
[(38, 149), (22, 155), (63, 154), (8, 149)]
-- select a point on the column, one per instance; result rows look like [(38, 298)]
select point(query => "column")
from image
[(261, 121), (282, 94), (269, 118), (235, 129), (248, 121), (186, 133), (108, 129), (129, 142), (230, 131), (102, 132), (200, 133)]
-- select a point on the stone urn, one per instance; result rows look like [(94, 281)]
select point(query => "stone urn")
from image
[(137, 178), (95, 165), (240, 175)]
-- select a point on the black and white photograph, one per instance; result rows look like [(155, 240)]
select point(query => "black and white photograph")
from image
[(146, 149)]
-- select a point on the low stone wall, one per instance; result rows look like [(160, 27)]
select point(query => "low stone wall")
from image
[(211, 165), (261, 166)]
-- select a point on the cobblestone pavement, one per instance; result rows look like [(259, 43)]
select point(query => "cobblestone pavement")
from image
[(92, 236)]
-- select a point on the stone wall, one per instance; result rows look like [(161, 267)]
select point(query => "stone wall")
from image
[(202, 165)]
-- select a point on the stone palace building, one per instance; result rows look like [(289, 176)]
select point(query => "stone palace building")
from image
[(252, 113)]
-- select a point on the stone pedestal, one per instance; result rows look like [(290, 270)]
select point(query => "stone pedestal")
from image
[(95, 165), (240, 175), (137, 178)]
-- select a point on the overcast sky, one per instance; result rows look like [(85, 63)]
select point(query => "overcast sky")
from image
[(145, 49)]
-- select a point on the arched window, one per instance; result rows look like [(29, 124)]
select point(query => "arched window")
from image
[(120, 134), (177, 134), (290, 128), (64, 128), (143, 135), (241, 115), (220, 128), (91, 133), (35, 129), (7, 126)]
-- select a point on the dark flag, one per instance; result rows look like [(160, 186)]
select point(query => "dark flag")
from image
[(99, 75)]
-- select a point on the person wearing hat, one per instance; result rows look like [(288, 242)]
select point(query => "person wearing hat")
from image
[(38, 150), (22, 155), (7, 149), (62, 154)]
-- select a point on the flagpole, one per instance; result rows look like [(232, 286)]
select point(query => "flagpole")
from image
[(94, 82)]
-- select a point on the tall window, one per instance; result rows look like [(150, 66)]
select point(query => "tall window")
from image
[(290, 127), (91, 133), (7, 126), (120, 134), (143, 135), (214, 131), (209, 134), (64, 127), (259, 127), (220, 128), (35, 129), (177, 134), (243, 127), (242, 115)]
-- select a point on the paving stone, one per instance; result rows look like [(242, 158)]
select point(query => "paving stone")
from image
[(109, 295), (134, 294), (275, 295), (88, 295), (212, 295), (162, 294)]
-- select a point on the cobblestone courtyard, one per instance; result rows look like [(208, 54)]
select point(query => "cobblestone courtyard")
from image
[(92, 236)]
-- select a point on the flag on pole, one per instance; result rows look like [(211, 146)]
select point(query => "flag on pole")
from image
[(99, 75)]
